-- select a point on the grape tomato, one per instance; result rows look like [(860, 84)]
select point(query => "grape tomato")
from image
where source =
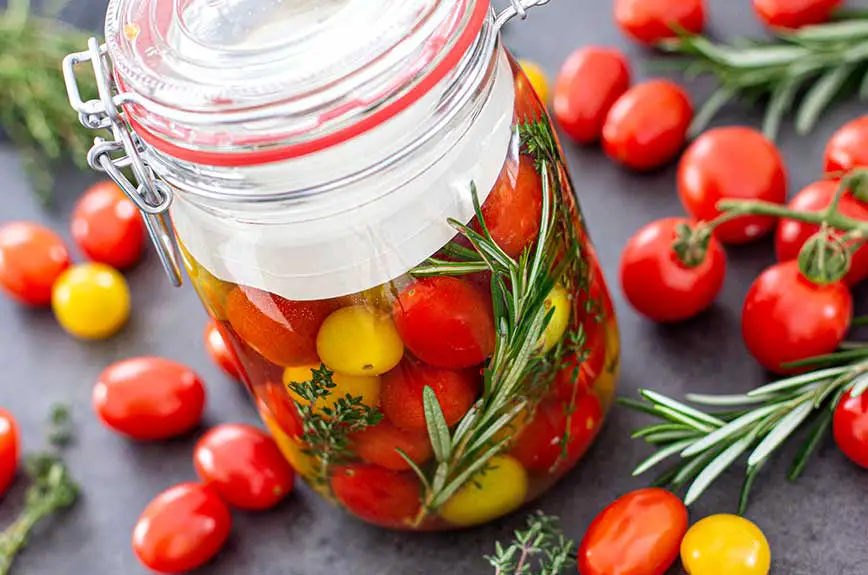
[(794, 13), (848, 147), (10, 450), (219, 351), (850, 427), (650, 21), (107, 226), (32, 257)]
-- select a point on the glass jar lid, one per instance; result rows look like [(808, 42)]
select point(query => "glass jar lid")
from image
[(249, 81)]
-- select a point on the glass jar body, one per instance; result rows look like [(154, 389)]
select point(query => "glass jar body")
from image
[(460, 388)]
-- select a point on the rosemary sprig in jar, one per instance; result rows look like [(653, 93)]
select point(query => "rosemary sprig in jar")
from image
[(34, 111), (807, 69)]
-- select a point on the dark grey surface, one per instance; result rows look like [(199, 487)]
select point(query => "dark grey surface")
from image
[(816, 527)]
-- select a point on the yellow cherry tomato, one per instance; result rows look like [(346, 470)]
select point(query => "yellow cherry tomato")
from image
[(560, 301), (537, 78), (501, 488), (293, 450), (607, 382), (91, 301), (212, 291), (725, 544), (365, 386), (359, 340)]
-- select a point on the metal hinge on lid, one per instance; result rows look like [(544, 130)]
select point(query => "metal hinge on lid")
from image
[(150, 195)]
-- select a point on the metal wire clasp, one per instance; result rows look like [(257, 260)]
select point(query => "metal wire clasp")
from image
[(151, 196), (516, 8)]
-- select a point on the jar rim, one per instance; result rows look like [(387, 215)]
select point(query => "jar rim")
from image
[(223, 136)]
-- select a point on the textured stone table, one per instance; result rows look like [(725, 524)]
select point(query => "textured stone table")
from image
[(815, 527)]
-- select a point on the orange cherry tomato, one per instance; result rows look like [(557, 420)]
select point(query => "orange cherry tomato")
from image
[(9, 450), (539, 446), (655, 281), (244, 466), (275, 397), (850, 428), (149, 398), (401, 393), (637, 534), (378, 445), (181, 529), (445, 322), (647, 126), (848, 147), (219, 350), (791, 235), (786, 317), (794, 13), (107, 227), (511, 211), (31, 258), (589, 82), (380, 496), (283, 331), (649, 21), (732, 163)]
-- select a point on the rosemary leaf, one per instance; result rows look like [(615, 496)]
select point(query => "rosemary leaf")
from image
[(836, 357), (651, 429), (780, 103), (749, 478), (438, 430), (660, 456), (717, 466), (693, 467), (718, 99), (818, 431), (795, 381), (667, 436), (859, 385), (690, 412), (723, 400), (419, 473), (472, 469), (820, 95), (728, 430), (784, 428)]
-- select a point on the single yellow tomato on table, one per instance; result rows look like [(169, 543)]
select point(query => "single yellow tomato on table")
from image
[(91, 301), (725, 544)]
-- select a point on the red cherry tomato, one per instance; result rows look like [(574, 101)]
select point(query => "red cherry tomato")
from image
[(9, 450), (732, 163), (244, 466), (149, 398), (786, 317), (283, 331), (219, 350), (649, 21), (181, 529), (791, 234), (848, 147), (794, 13), (380, 496), (527, 104), (107, 227), (445, 322), (850, 427), (511, 211), (378, 445), (655, 281), (31, 258), (539, 446), (589, 82), (647, 126), (637, 534), (276, 399), (401, 393)]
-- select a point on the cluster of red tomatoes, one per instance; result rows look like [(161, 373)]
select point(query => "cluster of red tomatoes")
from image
[(90, 300), (643, 533)]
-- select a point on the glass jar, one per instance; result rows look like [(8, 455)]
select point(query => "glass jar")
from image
[(371, 201)]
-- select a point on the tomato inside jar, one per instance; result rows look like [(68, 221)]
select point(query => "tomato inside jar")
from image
[(426, 333)]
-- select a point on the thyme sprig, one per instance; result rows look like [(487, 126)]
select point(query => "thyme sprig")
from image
[(755, 424), (34, 110), (52, 489), (805, 69), (541, 549), (519, 288), (326, 431)]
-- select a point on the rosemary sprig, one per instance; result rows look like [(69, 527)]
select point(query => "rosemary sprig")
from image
[(754, 424), (541, 549), (34, 111), (326, 431), (53, 489), (519, 287), (806, 68)]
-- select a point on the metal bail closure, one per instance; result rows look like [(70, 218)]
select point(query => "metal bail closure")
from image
[(516, 8), (151, 196)]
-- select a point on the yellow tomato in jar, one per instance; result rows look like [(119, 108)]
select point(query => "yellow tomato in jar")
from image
[(293, 450), (365, 386), (496, 491), (559, 300), (359, 340), (211, 290), (537, 78), (91, 301), (606, 383), (725, 544)]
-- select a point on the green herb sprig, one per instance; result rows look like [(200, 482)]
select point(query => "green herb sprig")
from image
[(327, 431), (805, 70), (756, 424), (541, 549), (52, 489)]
